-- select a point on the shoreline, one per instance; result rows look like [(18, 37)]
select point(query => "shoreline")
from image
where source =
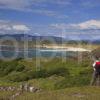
[(46, 48), (72, 49), (64, 48)]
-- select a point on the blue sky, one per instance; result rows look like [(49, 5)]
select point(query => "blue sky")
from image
[(67, 18)]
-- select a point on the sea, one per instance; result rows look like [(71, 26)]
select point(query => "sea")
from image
[(33, 53)]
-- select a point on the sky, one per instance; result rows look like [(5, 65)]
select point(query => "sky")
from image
[(73, 19)]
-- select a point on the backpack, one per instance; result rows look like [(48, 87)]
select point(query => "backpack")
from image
[(97, 66)]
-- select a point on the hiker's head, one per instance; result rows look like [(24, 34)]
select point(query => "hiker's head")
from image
[(96, 58)]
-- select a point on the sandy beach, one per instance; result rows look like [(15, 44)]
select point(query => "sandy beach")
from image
[(63, 48)]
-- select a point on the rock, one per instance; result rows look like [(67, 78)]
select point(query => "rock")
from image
[(7, 88), (26, 87), (33, 89)]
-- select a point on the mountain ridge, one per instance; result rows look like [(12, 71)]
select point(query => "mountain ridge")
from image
[(55, 39)]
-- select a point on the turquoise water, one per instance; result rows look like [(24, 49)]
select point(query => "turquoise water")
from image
[(37, 53)]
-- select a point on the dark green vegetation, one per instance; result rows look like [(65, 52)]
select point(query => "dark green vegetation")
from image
[(54, 74)]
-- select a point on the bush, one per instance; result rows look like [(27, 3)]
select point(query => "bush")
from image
[(73, 81), (7, 67), (37, 74), (17, 77), (59, 71), (20, 67), (86, 72), (27, 75)]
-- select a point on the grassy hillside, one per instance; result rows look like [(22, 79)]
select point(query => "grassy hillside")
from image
[(52, 75), (58, 78)]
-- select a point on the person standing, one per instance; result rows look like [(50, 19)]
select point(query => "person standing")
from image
[(96, 73)]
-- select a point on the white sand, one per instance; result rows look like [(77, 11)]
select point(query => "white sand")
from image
[(66, 49)]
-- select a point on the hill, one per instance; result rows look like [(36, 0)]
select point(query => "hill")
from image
[(21, 37), (47, 39)]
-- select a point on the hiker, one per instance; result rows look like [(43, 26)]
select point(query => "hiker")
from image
[(96, 73)]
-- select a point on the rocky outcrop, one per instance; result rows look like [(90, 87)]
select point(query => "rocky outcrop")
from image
[(2, 88), (18, 91), (28, 88)]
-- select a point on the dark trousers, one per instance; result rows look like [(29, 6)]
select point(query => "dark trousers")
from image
[(95, 78)]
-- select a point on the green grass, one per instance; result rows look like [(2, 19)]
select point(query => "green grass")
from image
[(53, 74), (77, 93), (59, 80), (5, 95)]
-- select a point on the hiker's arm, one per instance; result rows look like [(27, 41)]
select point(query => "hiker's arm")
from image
[(94, 66)]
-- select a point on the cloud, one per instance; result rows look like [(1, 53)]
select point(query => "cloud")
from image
[(15, 4), (61, 2), (20, 28), (85, 30), (91, 24), (90, 3), (57, 2), (12, 27), (5, 27), (20, 4), (27, 6)]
